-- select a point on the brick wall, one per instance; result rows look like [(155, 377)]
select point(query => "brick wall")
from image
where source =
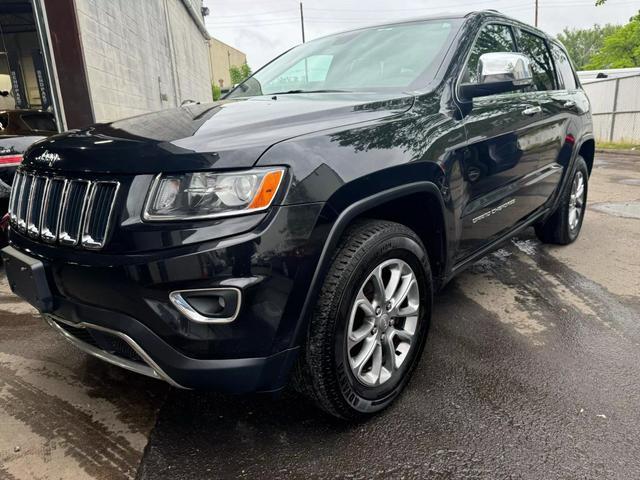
[(141, 57)]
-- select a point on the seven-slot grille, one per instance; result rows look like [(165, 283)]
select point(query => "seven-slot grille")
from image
[(68, 211)]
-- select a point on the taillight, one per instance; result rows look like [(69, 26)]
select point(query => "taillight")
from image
[(11, 160)]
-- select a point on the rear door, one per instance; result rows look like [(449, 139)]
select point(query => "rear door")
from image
[(569, 98), (510, 136), (549, 94)]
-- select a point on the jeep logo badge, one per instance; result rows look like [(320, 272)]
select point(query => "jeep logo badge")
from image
[(48, 157)]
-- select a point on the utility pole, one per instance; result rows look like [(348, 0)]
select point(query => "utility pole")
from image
[(536, 24), (302, 21)]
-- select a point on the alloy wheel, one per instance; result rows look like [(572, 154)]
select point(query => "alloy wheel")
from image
[(383, 322), (576, 201)]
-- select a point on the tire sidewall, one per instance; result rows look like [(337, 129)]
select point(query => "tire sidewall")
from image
[(360, 397), (581, 166)]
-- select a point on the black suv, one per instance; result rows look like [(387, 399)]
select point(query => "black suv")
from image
[(296, 230)]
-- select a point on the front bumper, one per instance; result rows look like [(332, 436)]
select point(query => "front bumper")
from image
[(117, 307), (151, 356)]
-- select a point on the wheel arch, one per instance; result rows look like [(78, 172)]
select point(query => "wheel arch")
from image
[(380, 206), (587, 151)]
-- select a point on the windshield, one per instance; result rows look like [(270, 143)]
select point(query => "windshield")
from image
[(395, 57)]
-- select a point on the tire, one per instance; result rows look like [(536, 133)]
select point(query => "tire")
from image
[(563, 228), (327, 370)]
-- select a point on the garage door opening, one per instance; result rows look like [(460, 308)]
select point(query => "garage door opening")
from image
[(27, 106)]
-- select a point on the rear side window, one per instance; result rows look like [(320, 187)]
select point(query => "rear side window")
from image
[(492, 38), (40, 121), (536, 48), (566, 75)]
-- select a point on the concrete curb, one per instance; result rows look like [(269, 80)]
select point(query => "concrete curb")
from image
[(629, 153)]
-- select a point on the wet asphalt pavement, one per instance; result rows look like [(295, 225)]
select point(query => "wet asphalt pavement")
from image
[(531, 370)]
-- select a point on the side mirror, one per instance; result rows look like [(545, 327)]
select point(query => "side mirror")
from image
[(499, 73)]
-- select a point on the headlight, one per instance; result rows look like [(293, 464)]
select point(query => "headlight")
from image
[(191, 196)]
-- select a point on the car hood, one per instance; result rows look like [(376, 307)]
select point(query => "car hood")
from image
[(226, 134), (10, 144)]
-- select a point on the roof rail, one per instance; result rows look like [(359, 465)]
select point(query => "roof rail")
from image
[(473, 12)]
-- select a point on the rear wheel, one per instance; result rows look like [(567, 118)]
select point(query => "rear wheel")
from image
[(563, 227), (370, 323)]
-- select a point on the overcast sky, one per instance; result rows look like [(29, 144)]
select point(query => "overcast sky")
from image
[(265, 28)]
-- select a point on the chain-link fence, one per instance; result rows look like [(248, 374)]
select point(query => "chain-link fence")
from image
[(615, 104)]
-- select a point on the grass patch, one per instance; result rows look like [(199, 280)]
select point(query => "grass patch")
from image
[(618, 146)]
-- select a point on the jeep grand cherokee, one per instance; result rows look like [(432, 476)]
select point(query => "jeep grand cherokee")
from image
[(296, 230)]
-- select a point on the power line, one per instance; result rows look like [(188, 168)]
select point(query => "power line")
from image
[(257, 22), (317, 18), (254, 14)]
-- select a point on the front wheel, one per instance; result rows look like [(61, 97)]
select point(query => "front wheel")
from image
[(370, 323), (563, 227)]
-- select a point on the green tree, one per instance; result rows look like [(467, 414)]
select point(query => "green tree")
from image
[(583, 43), (215, 92), (621, 49), (239, 74)]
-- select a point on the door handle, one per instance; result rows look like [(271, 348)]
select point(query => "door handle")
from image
[(532, 111), (569, 104)]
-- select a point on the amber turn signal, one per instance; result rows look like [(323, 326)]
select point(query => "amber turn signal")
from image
[(267, 189)]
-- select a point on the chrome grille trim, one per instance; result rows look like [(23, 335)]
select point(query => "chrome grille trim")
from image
[(34, 210), (17, 179), (23, 202), (73, 211), (49, 229), (89, 238), (70, 211)]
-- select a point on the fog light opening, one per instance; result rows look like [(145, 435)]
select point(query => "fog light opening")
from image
[(210, 305)]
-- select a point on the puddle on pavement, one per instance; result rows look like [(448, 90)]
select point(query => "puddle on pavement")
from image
[(630, 181), (619, 209), (62, 413)]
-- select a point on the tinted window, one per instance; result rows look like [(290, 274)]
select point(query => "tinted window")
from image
[(4, 121), (394, 57), (564, 68), (40, 121), (492, 38), (536, 48)]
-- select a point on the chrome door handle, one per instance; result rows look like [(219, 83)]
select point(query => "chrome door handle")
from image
[(569, 104), (532, 111)]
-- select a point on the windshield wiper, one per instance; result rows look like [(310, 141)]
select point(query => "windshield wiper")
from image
[(309, 91)]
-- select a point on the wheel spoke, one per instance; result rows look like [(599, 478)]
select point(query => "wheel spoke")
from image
[(376, 364), (404, 335), (378, 286), (363, 303), (408, 281), (389, 352), (360, 334), (364, 355), (394, 282), (408, 311)]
